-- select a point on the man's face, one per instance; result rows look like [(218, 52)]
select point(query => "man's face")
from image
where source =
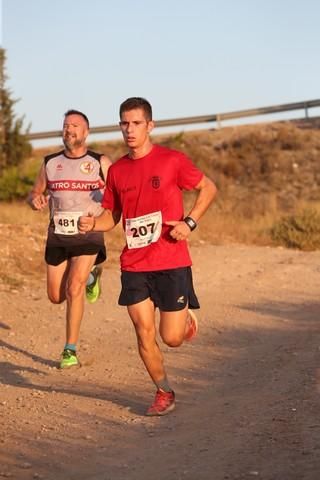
[(75, 131), (135, 128)]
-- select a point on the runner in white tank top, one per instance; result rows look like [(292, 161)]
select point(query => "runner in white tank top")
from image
[(71, 183)]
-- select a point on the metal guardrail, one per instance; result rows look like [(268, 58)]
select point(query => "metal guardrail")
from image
[(217, 117)]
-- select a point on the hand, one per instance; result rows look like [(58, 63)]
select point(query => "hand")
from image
[(39, 202), (180, 230), (86, 223)]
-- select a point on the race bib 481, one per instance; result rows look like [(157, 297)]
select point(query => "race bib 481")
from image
[(66, 223)]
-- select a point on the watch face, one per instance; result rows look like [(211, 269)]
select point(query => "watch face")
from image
[(190, 222)]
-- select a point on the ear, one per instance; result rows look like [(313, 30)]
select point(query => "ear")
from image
[(150, 126)]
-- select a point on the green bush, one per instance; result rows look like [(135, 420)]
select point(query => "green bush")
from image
[(13, 186), (300, 231), (14, 144)]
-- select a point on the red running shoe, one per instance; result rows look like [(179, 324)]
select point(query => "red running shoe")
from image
[(193, 326), (164, 403)]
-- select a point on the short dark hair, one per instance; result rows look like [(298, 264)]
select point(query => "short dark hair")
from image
[(136, 102), (77, 112)]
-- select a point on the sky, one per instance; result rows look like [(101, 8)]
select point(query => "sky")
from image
[(186, 57)]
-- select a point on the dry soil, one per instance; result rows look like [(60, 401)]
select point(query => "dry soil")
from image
[(247, 388)]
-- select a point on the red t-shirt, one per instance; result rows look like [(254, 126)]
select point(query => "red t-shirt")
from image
[(153, 183)]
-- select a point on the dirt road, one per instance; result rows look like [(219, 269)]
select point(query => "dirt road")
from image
[(247, 388)]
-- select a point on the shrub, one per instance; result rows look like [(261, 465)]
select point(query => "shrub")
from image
[(301, 231), (14, 144), (13, 185)]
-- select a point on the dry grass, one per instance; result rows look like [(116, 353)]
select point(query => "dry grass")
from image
[(262, 171), (19, 213)]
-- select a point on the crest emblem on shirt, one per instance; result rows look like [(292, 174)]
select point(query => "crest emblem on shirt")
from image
[(59, 166), (155, 182), (86, 167)]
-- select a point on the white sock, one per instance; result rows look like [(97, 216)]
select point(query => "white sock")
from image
[(90, 279)]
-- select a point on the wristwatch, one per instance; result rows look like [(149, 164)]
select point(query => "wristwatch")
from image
[(190, 222)]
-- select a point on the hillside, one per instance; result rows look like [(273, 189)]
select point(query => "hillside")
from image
[(263, 172), (274, 164)]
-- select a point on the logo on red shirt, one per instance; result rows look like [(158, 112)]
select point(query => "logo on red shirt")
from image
[(155, 182)]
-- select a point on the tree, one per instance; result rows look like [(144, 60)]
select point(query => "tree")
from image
[(14, 146)]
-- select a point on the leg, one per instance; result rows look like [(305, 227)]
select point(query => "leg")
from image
[(174, 327), (79, 269), (56, 281), (177, 327), (174, 289), (142, 315)]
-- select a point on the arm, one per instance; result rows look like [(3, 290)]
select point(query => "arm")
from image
[(103, 223), (105, 163), (207, 192), (37, 198), (107, 219)]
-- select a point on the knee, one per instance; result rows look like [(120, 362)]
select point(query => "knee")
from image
[(74, 290), (146, 338), (55, 297), (171, 340)]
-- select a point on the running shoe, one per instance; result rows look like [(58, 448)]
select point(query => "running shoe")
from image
[(193, 326), (93, 290), (164, 403), (68, 358)]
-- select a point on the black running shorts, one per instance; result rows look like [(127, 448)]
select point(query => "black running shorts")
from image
[(170, 290), (55, 255)]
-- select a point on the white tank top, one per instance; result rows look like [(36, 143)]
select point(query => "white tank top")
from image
[(75, 184)]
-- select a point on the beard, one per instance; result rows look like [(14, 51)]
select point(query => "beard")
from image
[(71, 143)]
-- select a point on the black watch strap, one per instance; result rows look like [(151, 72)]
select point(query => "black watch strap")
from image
[(192, 224)]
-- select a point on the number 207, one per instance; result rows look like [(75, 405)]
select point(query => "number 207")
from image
[(143, 230)]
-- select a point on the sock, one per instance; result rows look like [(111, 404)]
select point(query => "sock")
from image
[(70, 346), (90, 279), (164, 385)]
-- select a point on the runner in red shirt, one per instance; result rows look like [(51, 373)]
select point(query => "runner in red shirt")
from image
[(145, 188)]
